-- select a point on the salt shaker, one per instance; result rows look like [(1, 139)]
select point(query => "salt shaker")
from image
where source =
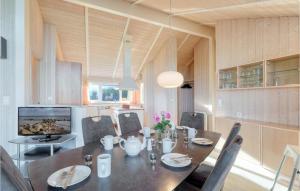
[(149, 145)]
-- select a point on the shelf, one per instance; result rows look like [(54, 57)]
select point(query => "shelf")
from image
[(251, 75), (228, 78)]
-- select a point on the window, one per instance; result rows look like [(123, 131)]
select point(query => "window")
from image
[(108, 93)]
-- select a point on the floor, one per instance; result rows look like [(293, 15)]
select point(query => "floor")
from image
[(246, 176)]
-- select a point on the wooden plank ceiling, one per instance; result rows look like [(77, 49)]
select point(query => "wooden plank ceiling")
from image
[(105, 37), (209, 11)]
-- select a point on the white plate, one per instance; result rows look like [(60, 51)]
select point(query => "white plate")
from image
[(116, 140), (80, 174), (181, 127), (152, 131), (202, 141), (171, 159)]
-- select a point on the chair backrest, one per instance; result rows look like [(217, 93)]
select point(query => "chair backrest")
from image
[(11, 177), (193, 120), (94, 128), (129, 123), (216, 179), (232, 134)]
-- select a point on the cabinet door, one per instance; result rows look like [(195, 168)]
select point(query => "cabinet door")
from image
[(251, 147), (223, 126), (273, 145)]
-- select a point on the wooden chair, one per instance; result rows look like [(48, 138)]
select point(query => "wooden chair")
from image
[(195, 120), (199, 176), (129, 123), (11, 177), (216, 179), (94, 128)]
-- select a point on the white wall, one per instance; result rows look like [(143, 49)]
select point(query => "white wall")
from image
[(12, 78)]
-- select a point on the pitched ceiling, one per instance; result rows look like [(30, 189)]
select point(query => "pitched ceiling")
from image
[(105, 33), (210, 11)]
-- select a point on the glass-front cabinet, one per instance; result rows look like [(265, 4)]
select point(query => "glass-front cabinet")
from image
[(283, 71), (251, 75), (228, 78)]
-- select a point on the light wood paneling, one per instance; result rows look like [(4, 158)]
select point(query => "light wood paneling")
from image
[(274, 142), (47, 66), (209, 12), (68, 83)]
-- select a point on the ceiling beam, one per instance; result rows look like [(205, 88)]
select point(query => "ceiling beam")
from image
[(190, 62), (121, 47), (202, 10), (137, 2), (87, 43), (148, 52), (145, 14), (182, 43)]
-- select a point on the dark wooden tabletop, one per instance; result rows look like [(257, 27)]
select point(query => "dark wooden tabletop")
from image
[(127, 173)]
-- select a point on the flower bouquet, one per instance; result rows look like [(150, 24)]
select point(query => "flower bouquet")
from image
[(162, 122)]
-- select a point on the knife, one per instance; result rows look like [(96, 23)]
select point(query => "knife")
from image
[(69, 177)]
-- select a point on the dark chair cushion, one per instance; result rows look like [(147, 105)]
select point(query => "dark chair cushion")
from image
[(185, 186), (94, 128), (12, 176), (129, 123), (193, 120), (199, 176)]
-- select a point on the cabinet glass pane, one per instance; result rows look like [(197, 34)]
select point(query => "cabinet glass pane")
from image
[(284, 71), (251, 75), (228, 78)]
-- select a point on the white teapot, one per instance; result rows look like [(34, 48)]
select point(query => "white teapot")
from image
[(133, 146)]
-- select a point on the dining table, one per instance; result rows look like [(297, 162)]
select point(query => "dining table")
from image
[(127, 173)]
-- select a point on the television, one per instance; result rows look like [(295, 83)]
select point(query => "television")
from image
[(36, 121)]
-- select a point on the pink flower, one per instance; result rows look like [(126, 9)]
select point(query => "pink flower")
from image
[(156, 118), (168, 115)]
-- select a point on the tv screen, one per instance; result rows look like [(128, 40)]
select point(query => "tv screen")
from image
[(44, 121)]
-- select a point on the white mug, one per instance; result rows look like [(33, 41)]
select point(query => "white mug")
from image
[(192, 133), (147, 131), (167, 145), (104, 165), (108, 142)]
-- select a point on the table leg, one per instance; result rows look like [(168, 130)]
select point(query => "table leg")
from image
[(51, 150), (19, 155), (278, 172)]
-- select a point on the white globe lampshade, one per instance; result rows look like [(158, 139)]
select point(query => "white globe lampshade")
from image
[(170, 79)]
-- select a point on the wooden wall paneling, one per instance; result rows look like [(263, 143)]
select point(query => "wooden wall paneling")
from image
[(234, 43), (227, 44), (36, 29), (202, 72), (251, 40), (271, 38), (68, 83), (243, 38), (251, 104), (251, 147), (259, 105), (47, 66), (284, 36), (283, 106), (271, 105), (259, 39), (293, 101), (218, 46), (294, 35), (273, 145)]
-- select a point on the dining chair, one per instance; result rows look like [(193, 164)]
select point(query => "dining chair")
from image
[(11, 177), (199, 176), (94, 128), (129, 123), (195, 120), (216, 179)]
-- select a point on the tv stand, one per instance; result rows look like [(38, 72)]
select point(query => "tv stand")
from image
[(40, 144), (47, 138)]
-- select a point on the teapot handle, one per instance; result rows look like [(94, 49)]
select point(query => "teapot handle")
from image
[(175, 143), (120, 143)]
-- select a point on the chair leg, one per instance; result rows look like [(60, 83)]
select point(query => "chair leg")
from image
[(292, 179), (278, 172)]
